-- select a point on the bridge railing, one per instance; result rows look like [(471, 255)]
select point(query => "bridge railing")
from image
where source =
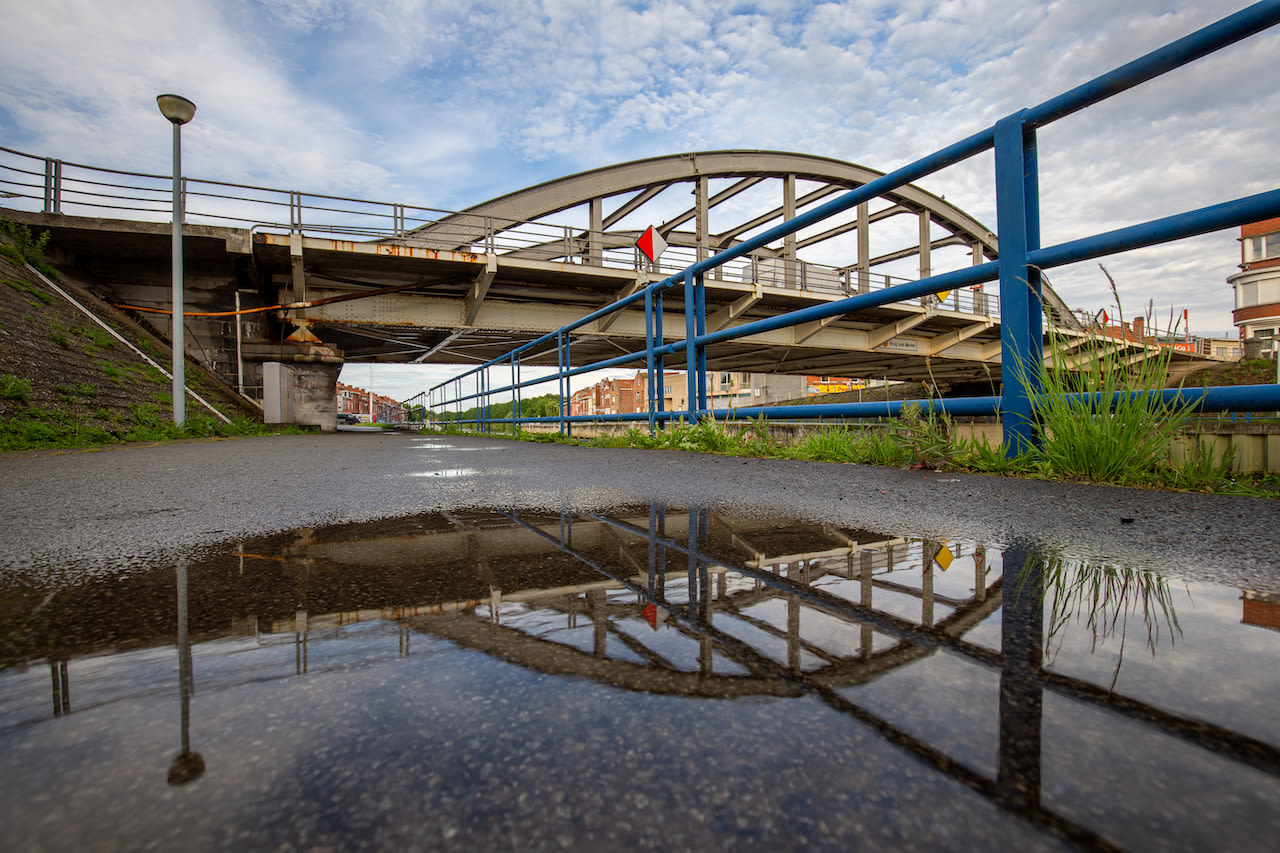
[(48, 185), (1018, 271)]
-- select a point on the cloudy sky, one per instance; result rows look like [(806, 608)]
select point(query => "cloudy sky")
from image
[(446, 104)]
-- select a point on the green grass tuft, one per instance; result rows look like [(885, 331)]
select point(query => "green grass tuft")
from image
[(14, 388)]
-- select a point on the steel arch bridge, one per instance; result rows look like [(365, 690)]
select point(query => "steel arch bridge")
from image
[(580, 231)]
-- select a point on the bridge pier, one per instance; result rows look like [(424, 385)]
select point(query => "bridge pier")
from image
[(303, 393)]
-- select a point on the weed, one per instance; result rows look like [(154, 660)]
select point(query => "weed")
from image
[(980, 455), (26, 248), (58, 334), (96, 337), (27, 287), (759, 437), (14, 388), (1201, 469), (926, 437)]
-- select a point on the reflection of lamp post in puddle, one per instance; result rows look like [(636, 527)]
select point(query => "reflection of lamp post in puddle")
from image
[(187, 766)]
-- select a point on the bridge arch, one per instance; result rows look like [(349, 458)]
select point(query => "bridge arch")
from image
[(627, 188)]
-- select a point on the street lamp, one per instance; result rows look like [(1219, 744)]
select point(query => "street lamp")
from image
[(178, 110)]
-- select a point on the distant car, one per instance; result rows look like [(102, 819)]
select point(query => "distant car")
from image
[(348, 418)]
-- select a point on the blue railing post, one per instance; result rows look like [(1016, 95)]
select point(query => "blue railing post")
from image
[(660, 364), (691, 351), (568, 384), (562, 403), (700, 316), (1021, 322), (515, 397), (650, 387)]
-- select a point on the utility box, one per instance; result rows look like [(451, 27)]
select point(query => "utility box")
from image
[(303, 394)]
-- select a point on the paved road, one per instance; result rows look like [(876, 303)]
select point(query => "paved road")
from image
[(105, 509)]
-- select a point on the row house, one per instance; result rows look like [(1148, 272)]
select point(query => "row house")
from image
[(725, 390), (368, 406), (1257, 287)]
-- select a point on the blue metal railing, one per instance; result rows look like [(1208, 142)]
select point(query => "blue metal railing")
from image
[(1018, 269)]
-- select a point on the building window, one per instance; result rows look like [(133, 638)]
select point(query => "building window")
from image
[(1262, 247)]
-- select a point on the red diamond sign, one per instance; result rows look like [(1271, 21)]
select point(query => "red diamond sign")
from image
[(651, 243)]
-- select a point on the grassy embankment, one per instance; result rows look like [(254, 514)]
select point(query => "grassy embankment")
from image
[(65, 382)]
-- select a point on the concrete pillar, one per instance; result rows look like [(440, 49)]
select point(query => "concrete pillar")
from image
[(305, 394)]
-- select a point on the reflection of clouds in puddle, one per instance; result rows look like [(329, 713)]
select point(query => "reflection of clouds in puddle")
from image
[(445, 472)]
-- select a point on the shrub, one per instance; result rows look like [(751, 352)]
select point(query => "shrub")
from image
[(25, 248)]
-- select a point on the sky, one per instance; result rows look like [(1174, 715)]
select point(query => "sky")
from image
[(446, 104)]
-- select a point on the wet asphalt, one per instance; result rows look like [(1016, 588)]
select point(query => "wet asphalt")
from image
[(98, 511)]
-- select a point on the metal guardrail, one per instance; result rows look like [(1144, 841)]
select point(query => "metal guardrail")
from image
[(1018, 270), (48, 185)]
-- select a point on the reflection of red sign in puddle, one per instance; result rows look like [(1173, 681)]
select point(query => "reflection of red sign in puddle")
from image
[(650, 614), (1260, 612)]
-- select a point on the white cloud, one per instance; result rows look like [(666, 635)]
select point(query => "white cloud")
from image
[(449, 102)]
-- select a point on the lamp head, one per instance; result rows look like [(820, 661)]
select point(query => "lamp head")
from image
[(176, 108)]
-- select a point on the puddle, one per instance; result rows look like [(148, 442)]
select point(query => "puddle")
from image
[(653, 677)]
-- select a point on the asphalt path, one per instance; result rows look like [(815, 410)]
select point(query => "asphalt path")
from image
[(107, 509)]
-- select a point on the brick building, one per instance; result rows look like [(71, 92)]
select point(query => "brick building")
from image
[(369, 407), (1257, 286)]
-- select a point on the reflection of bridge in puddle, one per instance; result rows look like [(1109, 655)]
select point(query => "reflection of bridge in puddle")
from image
[(702, 604), (669, 617), (690, 603)]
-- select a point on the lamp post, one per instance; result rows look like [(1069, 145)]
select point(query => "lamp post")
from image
[(178, 110)]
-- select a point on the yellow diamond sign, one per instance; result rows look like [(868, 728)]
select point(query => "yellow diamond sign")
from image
[(944, 557)]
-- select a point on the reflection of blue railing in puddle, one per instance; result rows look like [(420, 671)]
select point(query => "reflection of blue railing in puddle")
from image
[(703, 612)]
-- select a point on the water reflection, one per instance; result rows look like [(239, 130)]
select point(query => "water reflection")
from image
[(663, 601), (1103, 598), (187, 766)]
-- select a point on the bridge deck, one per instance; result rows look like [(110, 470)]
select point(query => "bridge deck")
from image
[(461, 307), (525, 298)]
